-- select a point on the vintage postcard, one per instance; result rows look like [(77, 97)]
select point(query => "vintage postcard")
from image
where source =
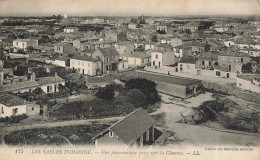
[(129, 79)]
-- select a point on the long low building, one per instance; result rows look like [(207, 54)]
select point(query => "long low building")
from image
[(172, 85)]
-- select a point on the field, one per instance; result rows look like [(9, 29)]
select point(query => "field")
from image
[(74, 135)]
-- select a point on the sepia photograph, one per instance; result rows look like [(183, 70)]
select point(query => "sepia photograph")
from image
[(129, 79)]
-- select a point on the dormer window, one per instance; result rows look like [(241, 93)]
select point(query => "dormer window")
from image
[(111, 134)]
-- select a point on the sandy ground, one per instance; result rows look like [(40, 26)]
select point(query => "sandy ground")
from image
[(193, 134), (174, 107)]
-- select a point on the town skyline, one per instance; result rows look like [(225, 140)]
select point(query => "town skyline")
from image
[(166, 8)]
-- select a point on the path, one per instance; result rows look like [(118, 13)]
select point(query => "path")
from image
[(197, 134)]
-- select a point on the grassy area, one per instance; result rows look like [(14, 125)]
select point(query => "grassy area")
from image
[(96, 108), (78, 135)]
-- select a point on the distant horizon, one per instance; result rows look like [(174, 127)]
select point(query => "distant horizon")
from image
[(129, 8), (155, 16)]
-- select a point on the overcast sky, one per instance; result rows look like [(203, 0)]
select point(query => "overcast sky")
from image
[(128, 7)]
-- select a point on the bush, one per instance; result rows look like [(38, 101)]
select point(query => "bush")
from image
[(106, 93), (147, 87), (13, 119), (137, 98)]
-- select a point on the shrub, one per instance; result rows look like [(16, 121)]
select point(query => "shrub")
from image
[(106, 93), (137, 98), (13, 119), (147, 87)]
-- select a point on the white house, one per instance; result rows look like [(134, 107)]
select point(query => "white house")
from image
[(61, 61), (187, 65), (50, 84), (136, 59), (229, 43), (11, 105), (70, 29), (86, 65), (249, 82), (159, 59), (22, 44), (132, 26)]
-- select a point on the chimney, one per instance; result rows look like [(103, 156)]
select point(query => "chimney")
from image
[(33, 77)]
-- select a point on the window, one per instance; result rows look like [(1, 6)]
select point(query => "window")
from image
[(107, 67), (217, 73), (123, 66), (17, 43), (177, 50), (110, 134), (181, 67), (153, 63), (141, 140), (242, 60), (147, 136), (15, 111), (209, 63), (203, 62), (156, 56), (2, 110), (32, 108), (107, 59)]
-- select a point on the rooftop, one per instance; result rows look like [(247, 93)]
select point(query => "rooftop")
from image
[(10, 100), (132, 126), (49, 80), (188, 60), (83, 58), (108, 51), (168, 79)]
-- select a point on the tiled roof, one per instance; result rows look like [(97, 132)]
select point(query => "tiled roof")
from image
[(22, 40), (78, 57), (188, 60), (168, 79), (49, 80), (132, 126), (108, 51), (137, 55), (60, 44), (10, 100), (18, 86), (89, 50), (233, 53)]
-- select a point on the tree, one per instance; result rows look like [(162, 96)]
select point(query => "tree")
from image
[(147, 87), (106, 93), (62, 89), (154, 38), (38, 94), (247, 68), (137, 98)]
